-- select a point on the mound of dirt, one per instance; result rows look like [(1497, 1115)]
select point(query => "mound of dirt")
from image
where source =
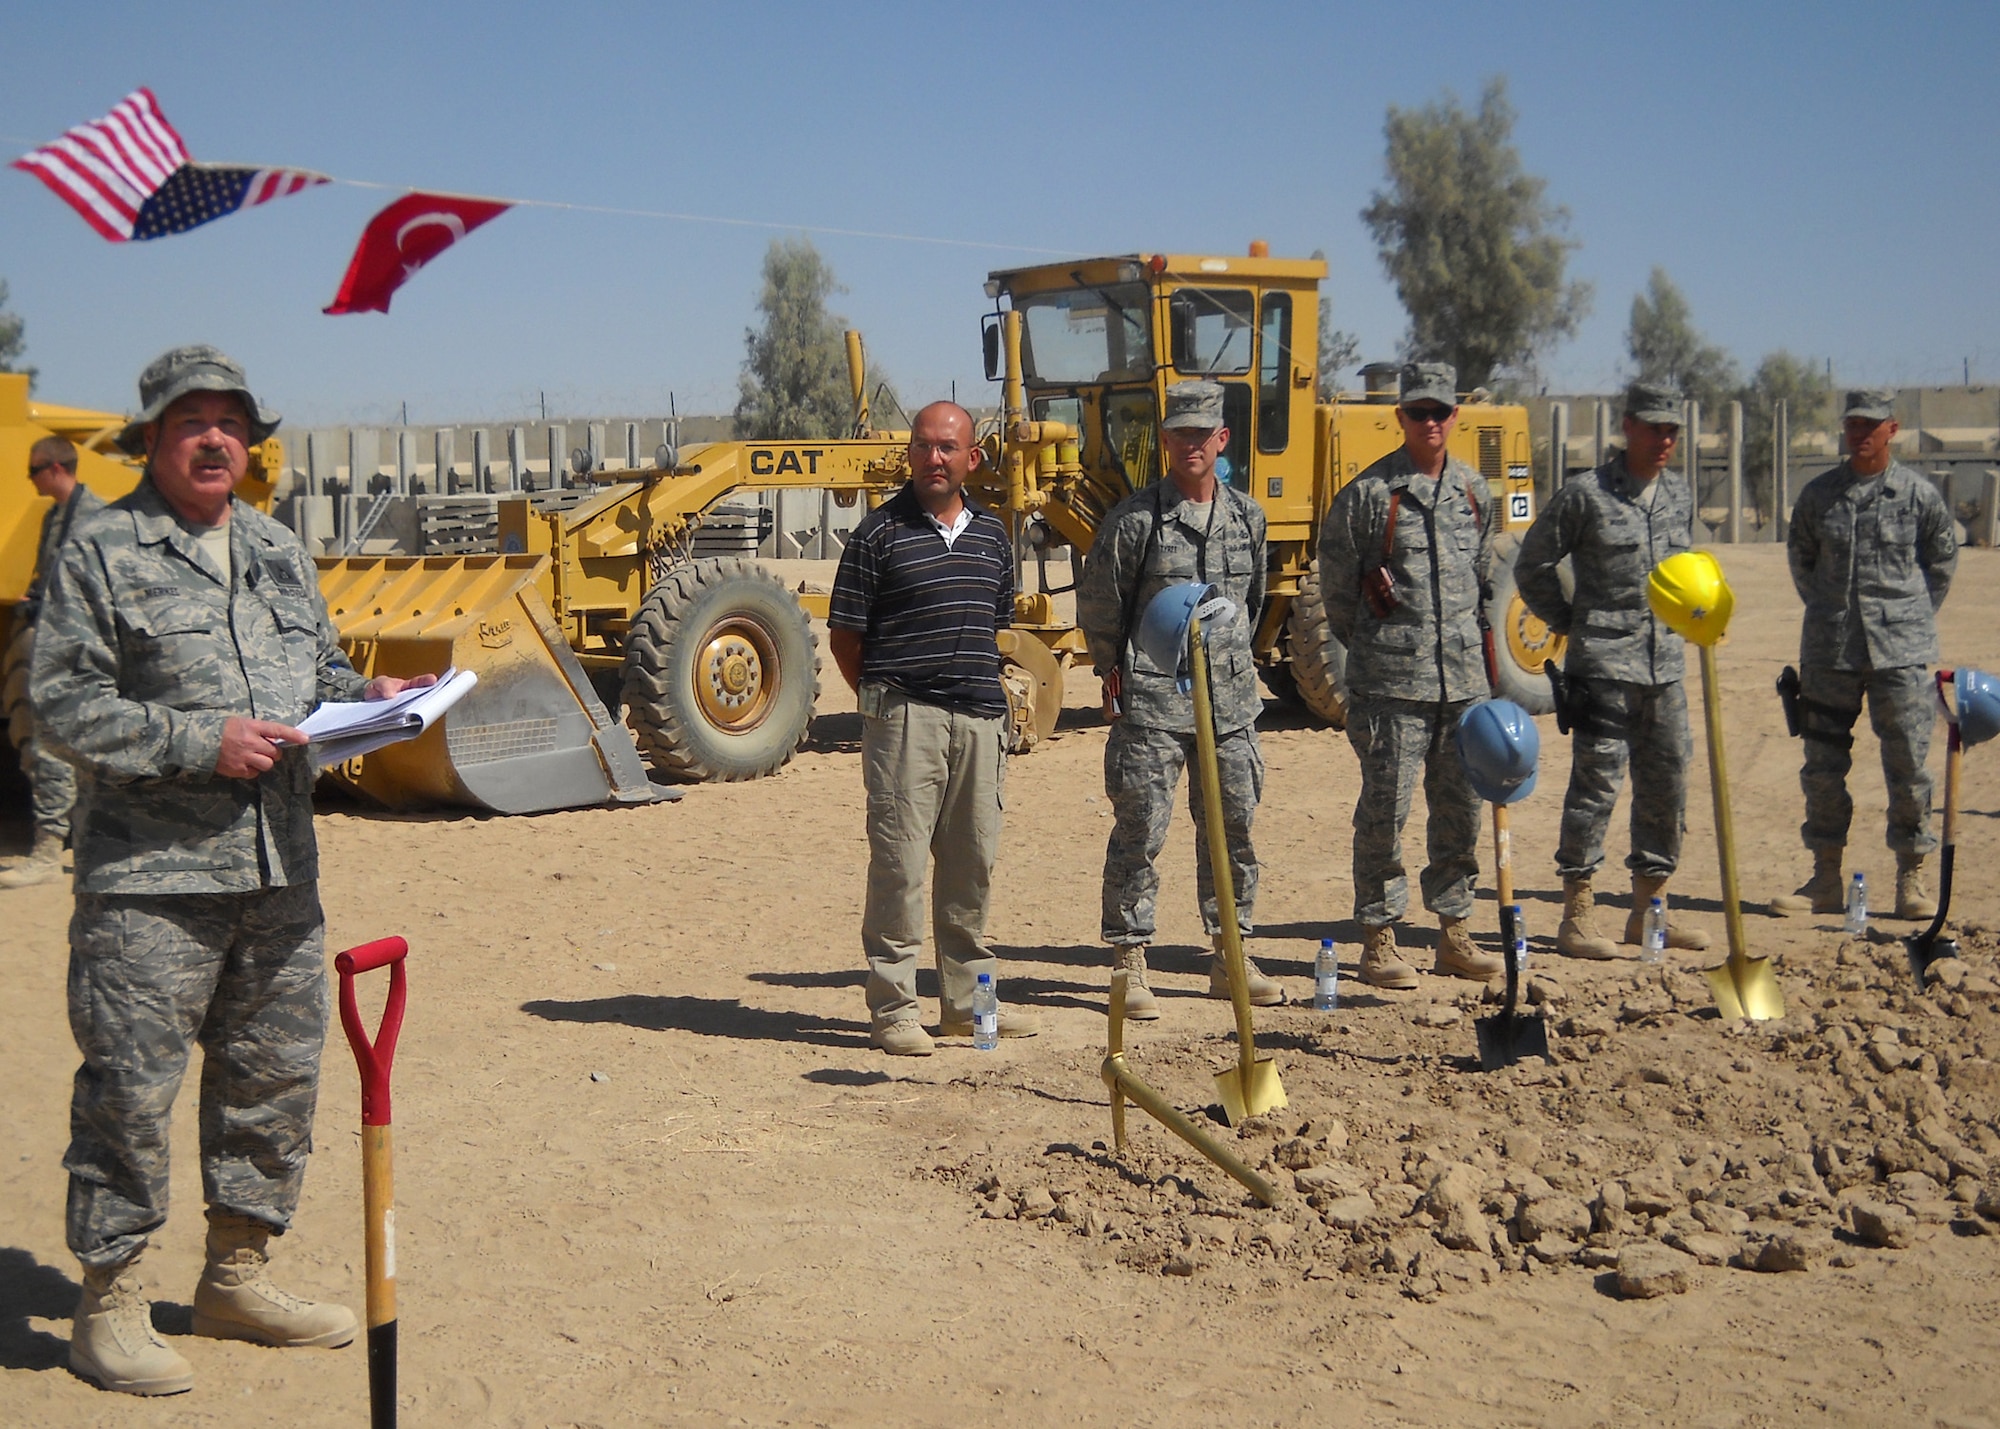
[(1864, 1119)]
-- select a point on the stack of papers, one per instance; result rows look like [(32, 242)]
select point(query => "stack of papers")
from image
[(344, 730)]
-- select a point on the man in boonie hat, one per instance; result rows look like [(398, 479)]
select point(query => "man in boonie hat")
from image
[(1873, 547), (1624, 668), (1193, 526), (1404, 558), (182, 639)]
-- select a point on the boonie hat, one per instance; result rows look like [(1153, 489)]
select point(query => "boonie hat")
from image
[(181, 370), (1654, 402), (1428, 382), (1194, 404), (1874, 404)]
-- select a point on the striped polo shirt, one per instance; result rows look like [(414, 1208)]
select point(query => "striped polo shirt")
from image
[(926, 610)]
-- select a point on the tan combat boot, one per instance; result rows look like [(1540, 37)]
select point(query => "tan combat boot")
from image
[(43, 863), (112, 1340), (1140, 1003), (1824, 892), (235, 1299), (1458, 956), (1264, 991), (1645, 888), (1578, 936), (1913, 891), (1380, 965)]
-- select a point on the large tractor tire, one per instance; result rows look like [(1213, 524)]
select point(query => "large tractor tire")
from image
[(1522, 642), (1318, 659), (721, 673)]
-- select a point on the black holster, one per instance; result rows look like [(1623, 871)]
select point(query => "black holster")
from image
[(1559, 687), (1788, 696)]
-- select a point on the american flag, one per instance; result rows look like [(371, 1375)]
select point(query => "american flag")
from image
[(129, 175)]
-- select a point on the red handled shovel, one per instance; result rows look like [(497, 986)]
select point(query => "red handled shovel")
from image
[(378, 1163)]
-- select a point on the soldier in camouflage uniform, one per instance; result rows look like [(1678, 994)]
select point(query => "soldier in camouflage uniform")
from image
[(1872, 549), (1625, 669), (51, 781), (1189, 527), (1404, 557), (182, 639)]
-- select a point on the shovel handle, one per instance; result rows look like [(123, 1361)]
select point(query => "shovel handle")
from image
[(374, 1058), (1221, 874)]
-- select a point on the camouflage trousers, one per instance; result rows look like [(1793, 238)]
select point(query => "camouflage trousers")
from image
[(1141, 768), (935, 779), (1616, 723), (1901, 709), (244, 975), (1394, 739), (51, 786)]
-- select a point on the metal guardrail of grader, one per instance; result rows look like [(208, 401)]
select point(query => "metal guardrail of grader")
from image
[(532, 735)]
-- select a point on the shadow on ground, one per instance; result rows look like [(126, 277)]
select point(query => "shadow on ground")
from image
[(707, 1016), (30, 1290)]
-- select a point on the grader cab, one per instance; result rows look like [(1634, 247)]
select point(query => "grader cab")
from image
[(1089, 349)]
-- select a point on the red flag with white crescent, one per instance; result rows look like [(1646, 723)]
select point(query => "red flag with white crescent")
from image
[(400, 240)]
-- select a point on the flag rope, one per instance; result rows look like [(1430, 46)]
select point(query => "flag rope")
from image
[(672, 216)]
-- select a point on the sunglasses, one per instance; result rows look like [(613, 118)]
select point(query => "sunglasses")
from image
[(37, 468), (1425, 415)]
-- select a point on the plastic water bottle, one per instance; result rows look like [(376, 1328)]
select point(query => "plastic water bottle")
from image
[(1519, 952), (1857, 906), (1656, 931), (1326, 978), (985, 1014)]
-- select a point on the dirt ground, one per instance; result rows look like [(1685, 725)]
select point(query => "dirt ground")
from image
[(650, 1172)]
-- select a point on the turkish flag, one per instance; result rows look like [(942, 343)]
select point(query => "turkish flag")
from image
[(400, 240)]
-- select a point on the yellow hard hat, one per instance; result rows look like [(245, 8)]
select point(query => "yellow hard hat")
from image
[(1688, 592)]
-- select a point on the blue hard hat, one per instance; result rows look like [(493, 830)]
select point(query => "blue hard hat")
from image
[(1499, 746), (1162, 635), (1978, 706)]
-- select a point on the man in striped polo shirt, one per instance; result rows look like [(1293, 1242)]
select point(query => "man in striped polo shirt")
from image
[(925, 583)]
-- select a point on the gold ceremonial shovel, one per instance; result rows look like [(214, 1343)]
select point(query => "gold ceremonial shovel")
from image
[(1124, 1082), (1252, 1086), (1744, 986)]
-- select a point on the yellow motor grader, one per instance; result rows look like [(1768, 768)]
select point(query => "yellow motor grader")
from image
[(601, 609)]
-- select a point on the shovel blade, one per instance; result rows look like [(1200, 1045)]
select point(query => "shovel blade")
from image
[(1747, 988), (1924, 951), (1264, 1092), (1506, 1038)]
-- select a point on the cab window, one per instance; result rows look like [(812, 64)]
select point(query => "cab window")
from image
[(1274, 365), (1212, 331)]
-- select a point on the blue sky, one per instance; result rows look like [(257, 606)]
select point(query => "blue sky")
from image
[(1824, 178)]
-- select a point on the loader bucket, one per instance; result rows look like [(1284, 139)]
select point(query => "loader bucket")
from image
[(531, 735)]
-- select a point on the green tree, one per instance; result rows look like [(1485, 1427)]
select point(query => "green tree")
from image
[(1666, 347), (1473, 246), (1803, 387), (1339, 350), (13, 340), (794, 382)]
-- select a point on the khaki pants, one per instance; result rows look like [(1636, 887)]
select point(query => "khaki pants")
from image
[(934, 779)]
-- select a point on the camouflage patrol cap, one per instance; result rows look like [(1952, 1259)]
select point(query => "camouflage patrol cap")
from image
[(181, 370), (1873, 404), (1193, 404), (1654, 402), (1428, 382)]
